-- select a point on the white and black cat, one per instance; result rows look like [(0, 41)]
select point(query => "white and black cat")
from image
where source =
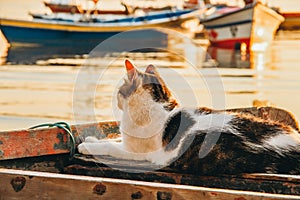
[(194, 140)]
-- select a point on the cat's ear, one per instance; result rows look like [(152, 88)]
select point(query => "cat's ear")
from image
[(151, 69), (131, 70)]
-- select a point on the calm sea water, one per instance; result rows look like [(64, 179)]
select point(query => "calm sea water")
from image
[(78, 90), (83, 90)]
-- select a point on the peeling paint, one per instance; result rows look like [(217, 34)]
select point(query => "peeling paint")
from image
[(61, 144)]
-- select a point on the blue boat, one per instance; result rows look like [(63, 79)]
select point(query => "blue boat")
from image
[(64, 37), (79, 34), (23, 52)]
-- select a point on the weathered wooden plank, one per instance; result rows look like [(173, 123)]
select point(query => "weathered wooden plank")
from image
[(18, 184), (24, 143), (49, 163), (48, 141), (268, 183)]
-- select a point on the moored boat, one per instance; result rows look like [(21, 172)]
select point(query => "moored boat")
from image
[(75, 7), (67, 17), (128, 7), (63, 7), (292, 20), (80, 34), (253, 25)]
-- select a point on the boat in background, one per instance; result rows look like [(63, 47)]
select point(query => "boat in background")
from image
[(65, 7), (76, 7), (252, 26), (63, 37), (135, 6), (292, 20), (74, 10), (67, 17), (128, 6)]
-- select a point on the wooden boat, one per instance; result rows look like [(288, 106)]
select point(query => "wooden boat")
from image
[(67, 17), (254, 25), (292, 20), (76, 8), (67, 8), (87, 34), (36, 164), (129, 7), (74, 11)]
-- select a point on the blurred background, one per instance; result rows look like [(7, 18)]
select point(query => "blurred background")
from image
[(39, 76)]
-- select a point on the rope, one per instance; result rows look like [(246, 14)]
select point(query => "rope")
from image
[(66, 127)]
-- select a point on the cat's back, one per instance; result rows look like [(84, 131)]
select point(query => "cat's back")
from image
[(210, 141)]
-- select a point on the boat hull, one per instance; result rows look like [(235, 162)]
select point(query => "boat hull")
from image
[(30, 44), (55, 32), (291, 22), (73, 9), (43, 39), (67, 8), (254, 24), (43, 36), (37, 33)]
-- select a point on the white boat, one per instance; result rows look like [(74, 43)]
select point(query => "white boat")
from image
[(253, 25)]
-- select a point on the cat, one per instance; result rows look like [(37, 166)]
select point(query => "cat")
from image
[(155, 128)]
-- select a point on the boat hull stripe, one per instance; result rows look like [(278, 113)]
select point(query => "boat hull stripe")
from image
[(227, 24)]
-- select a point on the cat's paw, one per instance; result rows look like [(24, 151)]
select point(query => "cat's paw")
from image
[(157, 160), (83, 148), (162, 163), (103, 148), (91, 139)]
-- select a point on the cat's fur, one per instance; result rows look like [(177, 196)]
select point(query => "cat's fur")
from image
[(199, 141)]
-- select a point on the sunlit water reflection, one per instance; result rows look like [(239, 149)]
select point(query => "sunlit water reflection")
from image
[(34, 94)]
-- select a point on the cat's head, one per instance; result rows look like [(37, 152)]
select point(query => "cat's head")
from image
[(142, 89)]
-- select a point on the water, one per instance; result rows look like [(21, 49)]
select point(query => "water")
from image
[(34, 92)]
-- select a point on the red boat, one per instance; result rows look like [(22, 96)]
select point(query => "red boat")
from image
[(66, 8), (129, 7), (74, 8), (292, 20)]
